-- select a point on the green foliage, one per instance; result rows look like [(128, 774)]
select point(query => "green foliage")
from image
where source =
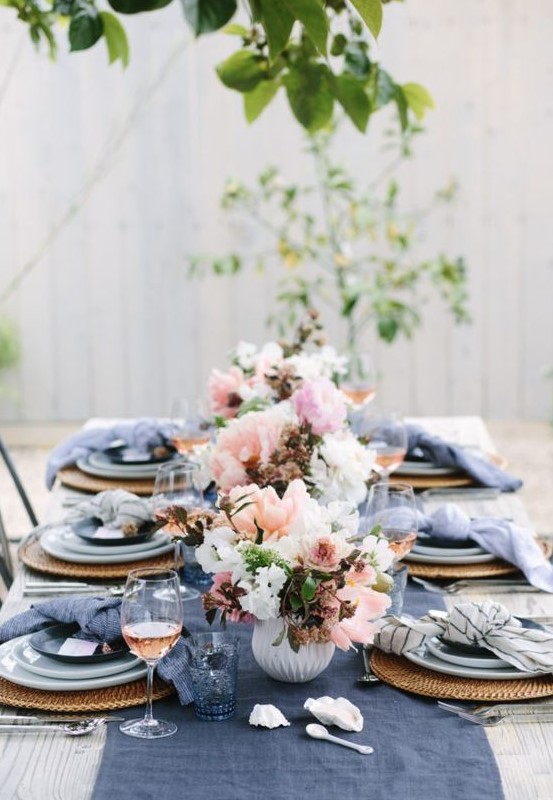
[(317, 49), (350, 248), (9, 343)]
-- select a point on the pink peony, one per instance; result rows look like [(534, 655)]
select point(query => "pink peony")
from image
[(222, 387), (320, 404), (370, 605), (267, 510), (244, 443)]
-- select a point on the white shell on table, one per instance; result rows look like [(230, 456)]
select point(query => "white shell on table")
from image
[(335, 711), (267, 716)]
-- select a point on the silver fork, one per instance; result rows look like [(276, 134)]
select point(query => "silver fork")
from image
[(497, 719), (501, 709), (495, 584)]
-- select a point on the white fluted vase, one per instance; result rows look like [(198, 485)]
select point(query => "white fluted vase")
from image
[(280, 661)]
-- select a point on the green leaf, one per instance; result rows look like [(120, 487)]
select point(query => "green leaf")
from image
[(402, 107), (351, 96), (385, 88), (418, 98), (116, 38), (388, 329), (235, 30), (85, 28), (311, 15), (205, 16), (308, 589), (371, 13), (356, 59), (310, 94), (137, 6), (242, 71), (277, 21), (258, 99)]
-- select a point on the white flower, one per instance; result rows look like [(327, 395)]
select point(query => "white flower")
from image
[(377, 552), (340, 468), (325, 363), (201, 455), (262, 598), (243, 356), (344, 517), (218, 552)]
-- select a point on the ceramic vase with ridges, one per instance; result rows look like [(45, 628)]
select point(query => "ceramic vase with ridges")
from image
[(281, 662)]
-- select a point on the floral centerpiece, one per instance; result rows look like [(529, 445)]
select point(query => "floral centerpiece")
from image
[(294, 567), (282, 418)]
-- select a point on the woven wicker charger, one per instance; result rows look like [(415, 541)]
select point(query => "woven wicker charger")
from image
[(77, 479), (114, 697), (491, 569), (456, 481), (32, 555), (403, 674)]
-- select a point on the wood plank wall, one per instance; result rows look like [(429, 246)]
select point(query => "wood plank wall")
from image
[(109, 178)]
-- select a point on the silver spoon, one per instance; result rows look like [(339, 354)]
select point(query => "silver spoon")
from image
[(368, 678), (320, 732), (71, 728)]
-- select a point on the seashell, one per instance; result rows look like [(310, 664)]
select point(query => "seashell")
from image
[(335, 711), (267, 716)]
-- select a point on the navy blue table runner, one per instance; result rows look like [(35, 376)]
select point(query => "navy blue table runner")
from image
[(420, 751)]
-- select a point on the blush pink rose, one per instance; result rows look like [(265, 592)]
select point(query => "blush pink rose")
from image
[(266, 510), (245, 442), (320, 404), (222, 386), (326, 552), (369, 605)]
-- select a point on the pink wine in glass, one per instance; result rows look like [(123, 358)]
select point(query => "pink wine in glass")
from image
[(400, 542), (388, 458), (151, 641), (358, 395)]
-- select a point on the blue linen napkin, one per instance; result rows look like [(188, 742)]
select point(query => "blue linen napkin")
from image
[(99, 619), (498, 536), (444, 454), (140, 434)]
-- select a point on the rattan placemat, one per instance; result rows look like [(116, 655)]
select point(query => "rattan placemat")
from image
[(32, 555), (489, 569), (114, 697), (403, 674), (456, 481), (76, 479)]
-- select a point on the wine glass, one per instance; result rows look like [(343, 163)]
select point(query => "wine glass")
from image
[(151, 623), (359, 382), (177, 484), (386, 435), (192, 425), (392, 508)]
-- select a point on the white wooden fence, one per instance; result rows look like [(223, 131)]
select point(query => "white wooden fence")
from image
[(109, 178)]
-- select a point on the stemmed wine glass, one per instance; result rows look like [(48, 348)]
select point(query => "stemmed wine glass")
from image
[(359, 382), (151, 623), (386, 434), (391, 508), (177, 484), (191, 424)]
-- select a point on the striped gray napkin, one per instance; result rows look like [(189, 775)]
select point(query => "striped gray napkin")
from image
[(485, 624)]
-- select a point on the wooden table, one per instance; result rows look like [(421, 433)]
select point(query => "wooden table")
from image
[(48, 766)]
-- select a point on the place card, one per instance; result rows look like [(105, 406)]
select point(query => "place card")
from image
[(78, 647)]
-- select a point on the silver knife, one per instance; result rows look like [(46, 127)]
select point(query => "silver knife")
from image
[(10, 720)]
